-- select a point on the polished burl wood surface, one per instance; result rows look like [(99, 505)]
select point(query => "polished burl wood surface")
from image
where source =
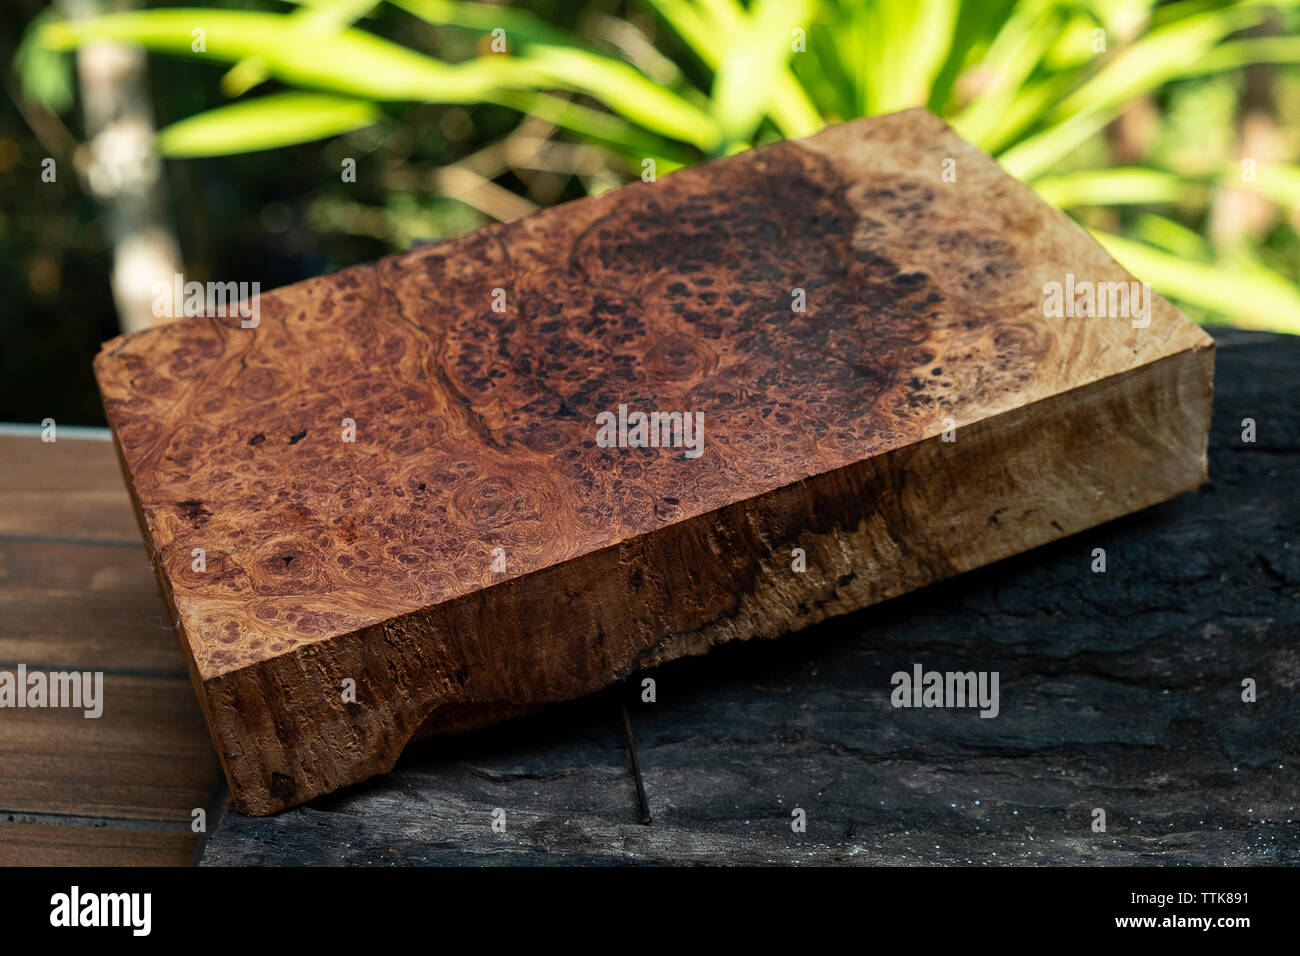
[(473, 373)]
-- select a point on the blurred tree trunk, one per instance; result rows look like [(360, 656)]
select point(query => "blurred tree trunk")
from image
[(121, 167), (1240, 214)]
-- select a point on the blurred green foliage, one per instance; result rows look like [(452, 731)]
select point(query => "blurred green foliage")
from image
[(1170, 129)]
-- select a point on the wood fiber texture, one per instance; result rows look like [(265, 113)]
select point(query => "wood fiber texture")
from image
[(372, 560)]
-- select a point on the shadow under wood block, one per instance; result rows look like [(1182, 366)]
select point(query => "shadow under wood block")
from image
[(880, 398)]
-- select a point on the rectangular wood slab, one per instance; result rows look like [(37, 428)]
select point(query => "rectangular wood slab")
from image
[(921, 416)]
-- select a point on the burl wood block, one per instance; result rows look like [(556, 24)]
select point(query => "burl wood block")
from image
[(888, 397)]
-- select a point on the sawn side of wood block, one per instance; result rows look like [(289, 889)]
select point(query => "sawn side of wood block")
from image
[(920, 416)]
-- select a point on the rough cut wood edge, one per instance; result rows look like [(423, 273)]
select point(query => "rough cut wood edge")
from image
[(1005, 485)]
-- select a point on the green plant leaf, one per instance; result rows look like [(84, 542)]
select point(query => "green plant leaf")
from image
[(521, 27), (607, 129), (319, 18), (1154, 59), (45, 76), (977, 22), (747, 75), (1275, 181), (1016, 52), (1166, 53), (1025, 110), (1255, 297), (1112, 187), (901, 49), (268, 122), (351, 62), (1240, 53), (1172, 237), (711, 34), (562, 60), (626, 91)]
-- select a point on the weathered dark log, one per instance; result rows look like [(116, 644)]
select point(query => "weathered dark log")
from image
[(865, 341), (1120, 691)]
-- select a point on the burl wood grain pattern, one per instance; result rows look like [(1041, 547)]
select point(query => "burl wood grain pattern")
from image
[(1119, 689), (475, 430)]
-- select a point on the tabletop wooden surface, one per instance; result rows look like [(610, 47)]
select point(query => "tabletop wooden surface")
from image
[(1120, 691), (77, 594)]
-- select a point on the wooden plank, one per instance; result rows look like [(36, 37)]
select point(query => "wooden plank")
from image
[(833, 310), (84, 606), (77, 593), (147, 757), (36, 844), (1119, 691), (70, 488)]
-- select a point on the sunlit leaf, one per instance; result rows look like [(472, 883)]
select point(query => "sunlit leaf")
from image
[(746, 76), (900, 48), (565, 61), (46, 76), (1015, 53), (351, 62), (711, 34), (1154, 59), (1241, 53), (1110, 187), (1172, 237), (608, 130), (319, 18), (521, 28), (1169, 52), (283, 119), (1277, 182), (1253, 296), (626, 91)]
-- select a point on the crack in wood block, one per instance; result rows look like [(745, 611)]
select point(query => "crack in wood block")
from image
[(378, 560)]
